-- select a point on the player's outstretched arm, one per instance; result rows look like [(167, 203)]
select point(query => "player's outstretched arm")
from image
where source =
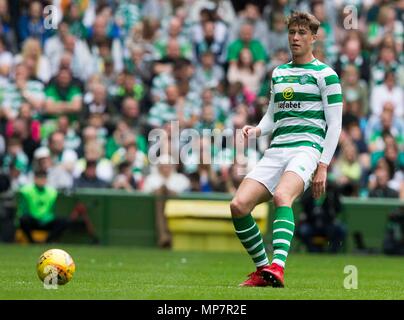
[(267, 122)]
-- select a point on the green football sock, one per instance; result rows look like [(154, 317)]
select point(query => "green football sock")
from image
[(283, 228), (250, 237)]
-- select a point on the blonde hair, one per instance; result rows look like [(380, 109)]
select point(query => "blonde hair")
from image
[(30, 46)]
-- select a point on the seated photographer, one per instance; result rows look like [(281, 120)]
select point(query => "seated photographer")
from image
[(318, 221), (35, 209), (394, 235)]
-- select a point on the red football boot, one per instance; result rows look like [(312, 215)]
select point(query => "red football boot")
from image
[(273, 275), (255, 279)]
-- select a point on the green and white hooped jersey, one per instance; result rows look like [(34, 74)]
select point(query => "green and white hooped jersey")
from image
[(299, 95)]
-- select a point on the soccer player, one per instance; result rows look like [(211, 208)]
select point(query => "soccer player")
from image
[(304, 116)]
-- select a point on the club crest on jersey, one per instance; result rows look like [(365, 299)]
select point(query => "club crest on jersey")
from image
[(288, 93), (304, 79)]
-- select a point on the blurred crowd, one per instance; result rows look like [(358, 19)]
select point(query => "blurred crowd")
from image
[(78, 101)]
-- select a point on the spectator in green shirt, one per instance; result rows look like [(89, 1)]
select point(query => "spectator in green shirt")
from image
[(175, 30), (347, 169), (74, 18), (36, 205), (246, 41), (63, 96)]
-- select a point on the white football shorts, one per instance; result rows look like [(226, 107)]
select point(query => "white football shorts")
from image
[(302, 160)]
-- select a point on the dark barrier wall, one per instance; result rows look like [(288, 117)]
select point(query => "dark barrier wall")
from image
[(120, 218), (368, 216), (128, 217)]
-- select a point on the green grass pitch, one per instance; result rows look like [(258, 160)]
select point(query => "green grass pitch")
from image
[(133, 273)]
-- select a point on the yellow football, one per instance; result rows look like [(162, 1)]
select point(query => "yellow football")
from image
[(55, 266)]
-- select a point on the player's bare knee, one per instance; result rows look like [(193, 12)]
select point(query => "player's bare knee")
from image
[(239, 208), (282, 198)]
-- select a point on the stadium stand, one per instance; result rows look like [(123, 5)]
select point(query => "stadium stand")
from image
[(81, 99)]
